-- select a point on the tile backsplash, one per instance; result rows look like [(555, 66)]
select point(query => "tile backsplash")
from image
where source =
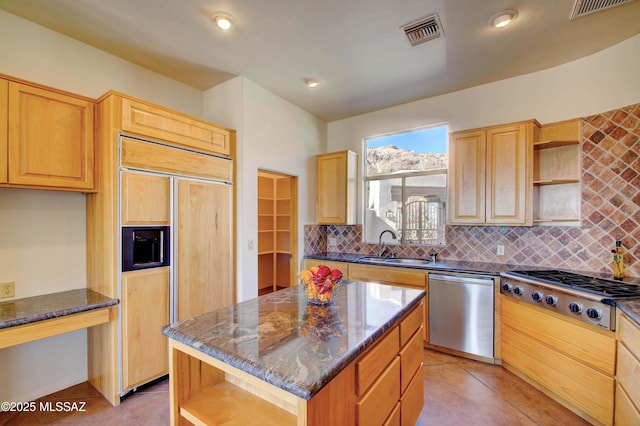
[(610, 207)]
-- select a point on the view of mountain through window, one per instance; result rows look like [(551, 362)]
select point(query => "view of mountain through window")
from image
[(406, 186)]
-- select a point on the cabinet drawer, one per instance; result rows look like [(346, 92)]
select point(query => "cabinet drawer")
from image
[(412, 400), (369, 368), (158, 123), (390, 275), (593, 347), (379, 401), (394, 417), (629, 373), (161, 158), (586, 388), (629, 334), (626, 412), (411, 359), (410, 324)]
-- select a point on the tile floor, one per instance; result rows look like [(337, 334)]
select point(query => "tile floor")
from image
[(457, 392)]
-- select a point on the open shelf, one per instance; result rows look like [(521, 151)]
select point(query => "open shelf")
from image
[(276, 219), (556, 174), (554, 144), (228, 404)]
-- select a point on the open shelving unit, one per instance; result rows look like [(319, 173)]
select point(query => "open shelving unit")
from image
[(276, 218), (556, 175)]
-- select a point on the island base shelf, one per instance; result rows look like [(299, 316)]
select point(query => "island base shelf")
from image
[(228, 404)]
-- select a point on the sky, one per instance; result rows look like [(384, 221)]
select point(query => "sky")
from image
[(432, 139)]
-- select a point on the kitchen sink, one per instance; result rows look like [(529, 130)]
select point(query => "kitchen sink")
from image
[(395, 260), (408, 261)]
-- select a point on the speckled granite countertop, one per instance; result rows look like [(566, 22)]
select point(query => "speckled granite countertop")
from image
[(631, 308), (439, 265), (39, 308), (298, 347)]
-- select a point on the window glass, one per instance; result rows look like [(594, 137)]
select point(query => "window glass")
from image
[(406, 186)]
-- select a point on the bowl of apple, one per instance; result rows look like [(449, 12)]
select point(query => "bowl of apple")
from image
[(321, 284)]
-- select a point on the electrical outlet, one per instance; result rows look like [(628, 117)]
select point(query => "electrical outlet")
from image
[(500, 250), (333, 241), (250, 245), (7, 289)]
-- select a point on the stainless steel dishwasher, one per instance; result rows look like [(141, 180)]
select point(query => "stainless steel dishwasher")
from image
[(461, 314)]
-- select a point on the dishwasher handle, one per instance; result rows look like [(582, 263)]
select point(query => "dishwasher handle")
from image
[(461, 279)]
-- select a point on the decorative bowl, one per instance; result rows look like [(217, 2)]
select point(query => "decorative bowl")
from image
[(321, 284)]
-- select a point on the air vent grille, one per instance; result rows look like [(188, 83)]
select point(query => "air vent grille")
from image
[(585, 7), (423, 30)]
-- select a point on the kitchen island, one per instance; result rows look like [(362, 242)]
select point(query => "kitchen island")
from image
[(279, 360)]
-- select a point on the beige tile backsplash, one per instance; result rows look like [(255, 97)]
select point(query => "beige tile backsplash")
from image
[(610, 211)]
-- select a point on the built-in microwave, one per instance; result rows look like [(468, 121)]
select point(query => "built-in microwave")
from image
[(145, 247)]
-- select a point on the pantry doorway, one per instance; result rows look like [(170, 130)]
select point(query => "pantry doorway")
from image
[(277, 231)]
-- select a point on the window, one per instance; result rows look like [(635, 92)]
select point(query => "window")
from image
[(406, 186)]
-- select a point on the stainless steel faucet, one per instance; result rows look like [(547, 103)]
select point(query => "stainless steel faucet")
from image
[(382, 247)]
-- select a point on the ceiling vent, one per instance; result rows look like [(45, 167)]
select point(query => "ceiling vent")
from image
[(585, 7), (423, 30)]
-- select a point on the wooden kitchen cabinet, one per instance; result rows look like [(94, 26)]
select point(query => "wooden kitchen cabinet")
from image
[(204, 247), (490, 175), (145, 310), (627, 401), (337, 188), (143, 177), (573, 362), (146, 199), (556, 174), (48, 142), (156, 122)]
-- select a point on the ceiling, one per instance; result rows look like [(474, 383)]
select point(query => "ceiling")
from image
[(355, 48)]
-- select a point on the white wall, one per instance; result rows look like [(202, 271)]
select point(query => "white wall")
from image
[(42, 233), (601, 82), (274, 135)]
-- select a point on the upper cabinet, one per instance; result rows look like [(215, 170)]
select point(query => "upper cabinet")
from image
[(337, 188), (48, 141), (556, 174), (490, 175), (155, 122)]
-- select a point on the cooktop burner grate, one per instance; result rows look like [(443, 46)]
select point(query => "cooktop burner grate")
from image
[(599, 286)]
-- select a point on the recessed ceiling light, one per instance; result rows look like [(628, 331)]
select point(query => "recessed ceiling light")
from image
[(224, 22), (504, 18), (311, 83)]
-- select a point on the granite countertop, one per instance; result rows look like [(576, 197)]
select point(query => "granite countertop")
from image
[(631, 308), (296, 346), (439, 265), (39, 308)]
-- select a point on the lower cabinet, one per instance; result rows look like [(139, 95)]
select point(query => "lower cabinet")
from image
[(343, 266), (145, 310), (627, 410), (573, 363)]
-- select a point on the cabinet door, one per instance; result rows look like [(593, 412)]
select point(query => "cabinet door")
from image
[(337, 188), (203, 247), (508, 185), (170, 126), (467, 152), (145, 310), (51, 139), (145, 199)]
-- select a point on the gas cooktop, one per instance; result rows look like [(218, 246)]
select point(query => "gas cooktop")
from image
[(607, 288)]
